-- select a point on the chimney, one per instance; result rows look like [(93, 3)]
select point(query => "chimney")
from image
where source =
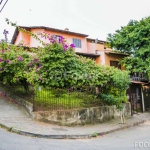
[(66, 29)]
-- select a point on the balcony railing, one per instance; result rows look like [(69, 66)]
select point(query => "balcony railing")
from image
[(139, 77)]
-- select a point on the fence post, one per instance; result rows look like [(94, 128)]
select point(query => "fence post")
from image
[(33, 101)]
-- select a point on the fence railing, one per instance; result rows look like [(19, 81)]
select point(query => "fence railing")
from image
[(139, 77), (44, 99), (64, 99)]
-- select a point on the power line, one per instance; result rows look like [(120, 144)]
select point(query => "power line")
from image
[(3, 5), (1, 2)]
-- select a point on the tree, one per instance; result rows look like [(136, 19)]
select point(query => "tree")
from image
[(133, 39), (14, 65)]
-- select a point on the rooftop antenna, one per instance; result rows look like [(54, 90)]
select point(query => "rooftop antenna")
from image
[(96, 40)]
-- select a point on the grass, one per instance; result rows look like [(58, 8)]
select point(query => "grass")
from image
[(56, 99), (49, 99)]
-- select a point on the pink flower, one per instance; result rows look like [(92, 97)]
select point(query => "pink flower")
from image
[(7, 61), (40, 66), (61, 38), (72, 45), (65, 47), (89, 77), (20, 58), (29, 64), (1, 59), (5, 32), (35, 60)]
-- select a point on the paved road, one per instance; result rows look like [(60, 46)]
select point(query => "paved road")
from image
[(124, 140)]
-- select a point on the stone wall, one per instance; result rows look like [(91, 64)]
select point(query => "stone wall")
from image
[(82, 116)]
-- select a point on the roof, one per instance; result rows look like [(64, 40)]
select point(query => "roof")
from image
[(46, 28), (99, 41), (88, 54), (116, 53), (138, 82)]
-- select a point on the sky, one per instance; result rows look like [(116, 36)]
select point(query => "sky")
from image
[(96, 18)]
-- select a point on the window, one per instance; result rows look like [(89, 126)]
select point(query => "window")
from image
[(56, 37), (115, 64), (77, 43)]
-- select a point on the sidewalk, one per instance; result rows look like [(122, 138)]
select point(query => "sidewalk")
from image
[(14, 118)]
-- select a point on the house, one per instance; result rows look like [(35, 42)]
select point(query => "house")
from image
[(139, 93), (139, 90), (91, 48)]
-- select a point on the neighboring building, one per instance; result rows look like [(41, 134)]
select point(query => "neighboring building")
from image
[(139, 93), (91, 48)]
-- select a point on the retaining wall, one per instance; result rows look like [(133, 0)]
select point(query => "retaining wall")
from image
[(81, 116), (73, 117)]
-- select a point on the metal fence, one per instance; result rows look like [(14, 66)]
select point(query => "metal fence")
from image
[(64, 99), (44, 99)]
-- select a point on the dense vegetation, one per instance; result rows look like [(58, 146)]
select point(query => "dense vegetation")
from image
[(134, 39)]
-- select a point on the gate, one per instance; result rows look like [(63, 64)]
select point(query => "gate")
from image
[(135, 98)]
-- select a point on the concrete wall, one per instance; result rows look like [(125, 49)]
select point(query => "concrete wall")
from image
[(81, 116)]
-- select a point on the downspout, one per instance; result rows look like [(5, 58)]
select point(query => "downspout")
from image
[(143, 105)]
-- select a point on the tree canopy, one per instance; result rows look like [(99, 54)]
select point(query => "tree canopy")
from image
[(133, 39)]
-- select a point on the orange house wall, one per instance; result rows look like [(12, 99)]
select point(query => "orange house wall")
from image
[(33, 41), (90, 47), (109, 58), (68, 37), (23, 37), (99, 46), (19, 38), (26, 39), (98, 60)]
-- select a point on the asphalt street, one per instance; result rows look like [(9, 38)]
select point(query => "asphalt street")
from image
[(135, 138)]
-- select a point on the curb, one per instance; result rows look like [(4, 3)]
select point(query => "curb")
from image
[(51, 136), (86, 136), (125, 127)]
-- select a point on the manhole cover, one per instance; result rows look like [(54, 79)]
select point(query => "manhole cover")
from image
[(59, 129)]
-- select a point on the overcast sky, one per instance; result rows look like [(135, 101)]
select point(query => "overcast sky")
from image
[(96, 18)]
